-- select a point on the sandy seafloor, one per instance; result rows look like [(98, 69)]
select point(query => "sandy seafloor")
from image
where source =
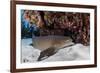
[(72, 53)]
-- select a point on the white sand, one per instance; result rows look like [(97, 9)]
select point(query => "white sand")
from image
[(76, 52)]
